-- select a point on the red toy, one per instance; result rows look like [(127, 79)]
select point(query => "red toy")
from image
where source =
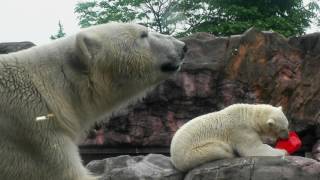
[(291, 145)]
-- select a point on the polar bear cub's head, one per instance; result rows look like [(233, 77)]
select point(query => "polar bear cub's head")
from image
[(128, 54), (276, 123)]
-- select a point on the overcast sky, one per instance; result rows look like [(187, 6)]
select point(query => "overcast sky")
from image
[(37, 20)]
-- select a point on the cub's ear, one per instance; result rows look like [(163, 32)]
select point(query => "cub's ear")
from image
[(87, 47), (270, 122), (280, 108)]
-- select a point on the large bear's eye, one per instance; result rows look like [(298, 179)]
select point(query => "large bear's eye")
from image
[(144, 34)]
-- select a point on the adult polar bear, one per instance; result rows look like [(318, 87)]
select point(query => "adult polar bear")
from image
[(235, 130), (74, 81)]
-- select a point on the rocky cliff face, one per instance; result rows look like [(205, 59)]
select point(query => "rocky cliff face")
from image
[(255, 67)]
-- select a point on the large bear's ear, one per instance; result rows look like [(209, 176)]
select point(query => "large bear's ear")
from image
[(87, 47), (280, 108), (270, 122)]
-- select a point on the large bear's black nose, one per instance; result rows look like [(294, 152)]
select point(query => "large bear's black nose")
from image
[(175, 60), (170, 67), (185, 48)]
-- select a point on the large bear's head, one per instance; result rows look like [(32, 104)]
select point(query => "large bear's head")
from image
[(116, 63), (128, 55)]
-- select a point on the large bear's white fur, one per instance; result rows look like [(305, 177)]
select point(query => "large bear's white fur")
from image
[(76, 81), (237, 130)]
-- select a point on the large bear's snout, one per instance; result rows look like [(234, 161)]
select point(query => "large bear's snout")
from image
[(175, 62), (181, 48), (168, 50)]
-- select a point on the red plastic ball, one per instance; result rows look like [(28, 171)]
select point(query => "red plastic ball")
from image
[(291, 145)]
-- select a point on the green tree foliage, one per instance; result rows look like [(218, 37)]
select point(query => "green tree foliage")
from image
[(60, 32), (160, 15), (226, 17), (219, 17)]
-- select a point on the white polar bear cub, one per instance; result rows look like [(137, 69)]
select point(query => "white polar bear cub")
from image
[(71, 83), (234, 131)]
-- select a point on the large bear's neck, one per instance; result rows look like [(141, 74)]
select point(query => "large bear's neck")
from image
[(48, 76), (20, 101)]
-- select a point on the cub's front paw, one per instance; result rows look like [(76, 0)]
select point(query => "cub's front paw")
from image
[(280, 152)]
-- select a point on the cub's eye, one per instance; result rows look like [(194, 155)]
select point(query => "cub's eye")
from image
[(144, 34)]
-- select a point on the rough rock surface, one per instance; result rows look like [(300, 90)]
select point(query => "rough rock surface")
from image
[(152, 166), (316, 151), (8, 47), (258, 168), (255, 67), (159, 167)]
